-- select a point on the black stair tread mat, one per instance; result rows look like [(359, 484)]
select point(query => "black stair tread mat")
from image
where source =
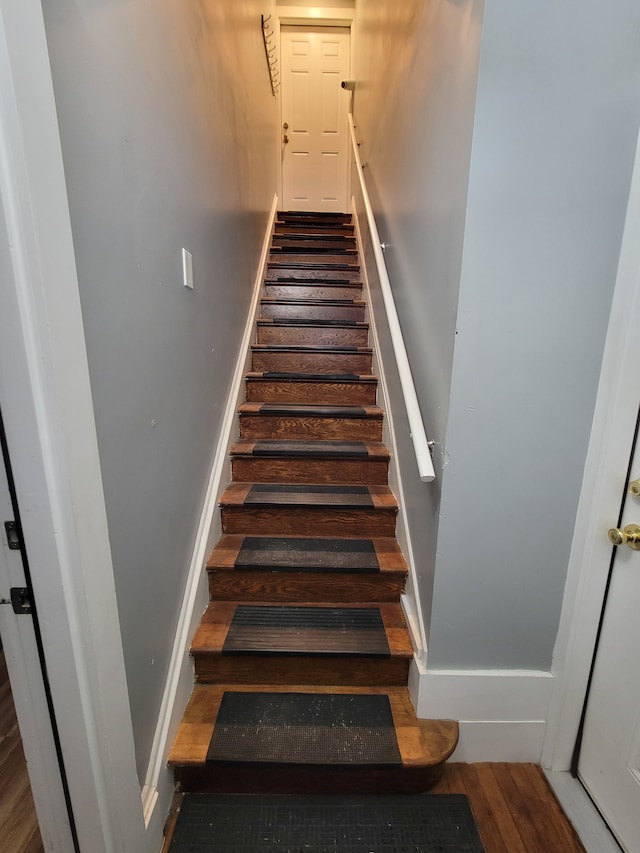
[(311, 282), (278, 494), (312, 300), (325, 377), (308, 555), (305, 728), (238, 823), (307, 630), (299, 265), (273, 447), (313, 411), (311, 348), (313, 250), (305, 321)]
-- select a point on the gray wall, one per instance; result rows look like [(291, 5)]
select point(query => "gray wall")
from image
[(169, 134), (416, 72), (556, 124), (504, 217)]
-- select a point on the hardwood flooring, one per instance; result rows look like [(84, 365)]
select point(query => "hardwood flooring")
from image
[(514, 806), (515, 809), (19, 832)]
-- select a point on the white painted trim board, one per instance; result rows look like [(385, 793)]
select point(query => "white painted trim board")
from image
[(158, 788)]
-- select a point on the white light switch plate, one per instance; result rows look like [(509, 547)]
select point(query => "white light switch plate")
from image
[(187, 269)]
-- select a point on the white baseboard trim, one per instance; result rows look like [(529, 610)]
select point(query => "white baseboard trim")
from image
[(403, 534), (158, 787), (502, 713)]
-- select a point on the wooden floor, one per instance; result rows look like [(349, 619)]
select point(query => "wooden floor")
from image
[(19, 831), (514, 807)]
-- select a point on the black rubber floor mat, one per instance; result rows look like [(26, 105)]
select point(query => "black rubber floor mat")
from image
[(326, 631), (305, 728), (308, 555), (273, 447), (345, 497), (325, 377), (427, 823)]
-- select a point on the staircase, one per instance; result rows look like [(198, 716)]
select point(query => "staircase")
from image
[(302, 657)]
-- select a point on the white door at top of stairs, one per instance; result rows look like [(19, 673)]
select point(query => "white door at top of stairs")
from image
[(315, 61)]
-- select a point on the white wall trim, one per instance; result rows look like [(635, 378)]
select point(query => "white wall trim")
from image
[(158, 787), (502, 713), (410, 605)]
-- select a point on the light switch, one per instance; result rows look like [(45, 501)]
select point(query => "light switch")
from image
[(187, 269)]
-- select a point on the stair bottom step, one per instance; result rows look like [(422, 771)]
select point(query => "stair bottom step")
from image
[(409, 759), (386, 824)]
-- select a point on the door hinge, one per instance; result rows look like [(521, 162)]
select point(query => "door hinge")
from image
[(13, 538)]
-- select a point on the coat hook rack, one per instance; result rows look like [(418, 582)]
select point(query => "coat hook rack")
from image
[(270, 50)]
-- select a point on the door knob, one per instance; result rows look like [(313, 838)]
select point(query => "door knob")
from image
[(634, 488), (285, 139), (286, 125), (629, 535)]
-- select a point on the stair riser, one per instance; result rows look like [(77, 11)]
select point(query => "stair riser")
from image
[(323, 260), (301, 779), (280, 272), (310, 587), (296, 311), (313, 335), (296, 217), (308, 521), (311, 291), (300, 428), (319, 231), (290, 470), (264, 669), (322, 393), (311, 362), (313, 244)]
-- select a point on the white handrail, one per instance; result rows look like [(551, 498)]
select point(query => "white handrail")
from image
[(416, 424)]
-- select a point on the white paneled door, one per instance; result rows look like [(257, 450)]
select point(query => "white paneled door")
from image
[(315, 61), (609, 763), (609, 760)]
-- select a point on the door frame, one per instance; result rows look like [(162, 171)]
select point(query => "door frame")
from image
[(602, 490), (318, 16), (50, 429)]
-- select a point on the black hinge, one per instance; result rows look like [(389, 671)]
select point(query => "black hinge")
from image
[(13, 539)]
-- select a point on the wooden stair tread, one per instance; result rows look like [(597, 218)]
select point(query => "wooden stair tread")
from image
[(279, 272), (297, 568), (307, 496), (311, 262), (325, 449), (327, 636), (302, 554), (421, 743)]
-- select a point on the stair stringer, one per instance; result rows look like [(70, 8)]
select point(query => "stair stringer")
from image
[(159, 785), (410, 600)]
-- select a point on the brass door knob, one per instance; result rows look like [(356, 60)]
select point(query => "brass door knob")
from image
[(629, 535), (285, 139), (286, 125), (634, 488)]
